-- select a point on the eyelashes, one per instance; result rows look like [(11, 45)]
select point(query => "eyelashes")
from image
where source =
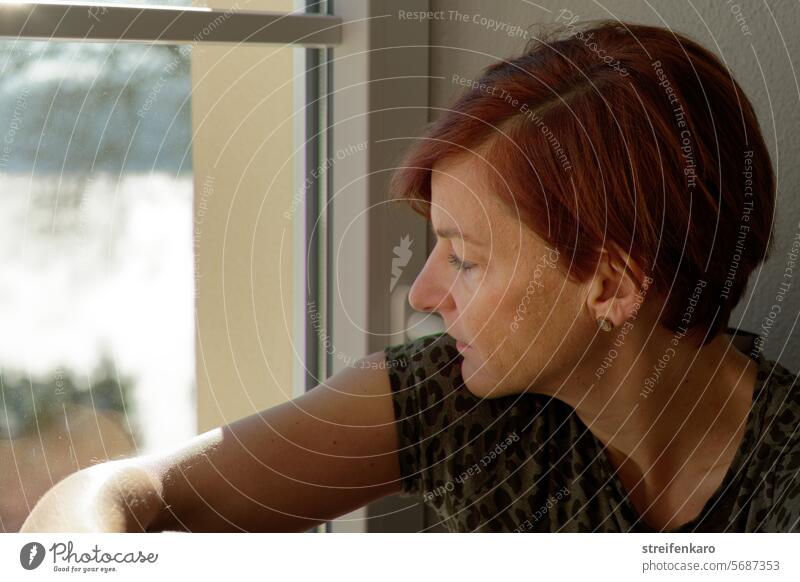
[(458, 263)]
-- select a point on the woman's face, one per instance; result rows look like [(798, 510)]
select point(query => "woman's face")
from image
[(497, 287)]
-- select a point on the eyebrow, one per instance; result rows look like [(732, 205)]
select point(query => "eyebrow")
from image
[(455, 233)]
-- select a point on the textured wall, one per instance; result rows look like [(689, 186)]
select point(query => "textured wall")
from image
[(759, 42)]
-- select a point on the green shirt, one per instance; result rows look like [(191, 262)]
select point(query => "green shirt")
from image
[(526, 463)]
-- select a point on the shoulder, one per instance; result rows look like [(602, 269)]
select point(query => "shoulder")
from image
[(431, 355), (781, 433), (429, 394), (423, 374), (782, 406), (443, 429), (427, 388)]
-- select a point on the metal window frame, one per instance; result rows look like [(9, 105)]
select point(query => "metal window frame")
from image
[(381, 98), (166, 25)]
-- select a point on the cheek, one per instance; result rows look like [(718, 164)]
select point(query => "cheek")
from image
[(498, 316), (470, 292), (531, 311), (521, 332), (480, 304), (509, 307), (503, 322), (526, 307)]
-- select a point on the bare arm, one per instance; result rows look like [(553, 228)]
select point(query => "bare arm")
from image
[(287, 468)]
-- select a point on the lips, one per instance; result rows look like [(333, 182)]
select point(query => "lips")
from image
[(460, 346)]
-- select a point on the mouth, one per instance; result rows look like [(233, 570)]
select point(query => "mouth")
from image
[(460, 346)]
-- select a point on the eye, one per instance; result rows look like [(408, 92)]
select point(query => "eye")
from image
[(458, 263)]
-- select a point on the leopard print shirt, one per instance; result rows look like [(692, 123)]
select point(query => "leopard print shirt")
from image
[(526, 463)]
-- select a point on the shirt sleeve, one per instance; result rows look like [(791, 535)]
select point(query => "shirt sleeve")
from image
[(782, 434), (469, 457), (784, 516), (425, 378)]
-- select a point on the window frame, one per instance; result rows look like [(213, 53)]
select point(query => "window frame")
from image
[(380, 96), (103, 22)]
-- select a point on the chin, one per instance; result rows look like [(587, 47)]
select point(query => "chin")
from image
[(480, 382), (473, 378)]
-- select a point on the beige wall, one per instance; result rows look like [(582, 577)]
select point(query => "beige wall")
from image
[(760, 45), (243, 185)]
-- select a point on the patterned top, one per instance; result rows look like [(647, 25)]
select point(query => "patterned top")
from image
[(527, 463)]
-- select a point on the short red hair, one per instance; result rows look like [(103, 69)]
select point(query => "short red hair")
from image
[(625, 134)]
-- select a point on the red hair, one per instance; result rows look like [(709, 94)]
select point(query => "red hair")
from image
[(625, 134)]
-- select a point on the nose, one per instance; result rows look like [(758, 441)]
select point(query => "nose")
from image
[(430, 291)]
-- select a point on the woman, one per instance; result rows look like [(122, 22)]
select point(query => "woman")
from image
[(599, 204)]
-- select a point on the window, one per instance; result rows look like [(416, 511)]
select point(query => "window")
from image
[(204, 213), (96, 219), (125, 168)]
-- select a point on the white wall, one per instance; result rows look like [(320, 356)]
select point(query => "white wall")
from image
[(761, 56)]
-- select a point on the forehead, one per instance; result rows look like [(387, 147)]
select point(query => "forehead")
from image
[(461, 196)]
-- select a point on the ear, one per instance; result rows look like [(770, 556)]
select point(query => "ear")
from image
[(614, 292)]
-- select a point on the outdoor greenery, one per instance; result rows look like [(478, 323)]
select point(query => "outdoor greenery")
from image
[(26, 403)]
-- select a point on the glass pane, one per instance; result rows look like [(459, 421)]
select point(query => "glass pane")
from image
[(96, 188)]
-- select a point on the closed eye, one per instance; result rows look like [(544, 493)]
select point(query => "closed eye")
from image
[(458, 263)]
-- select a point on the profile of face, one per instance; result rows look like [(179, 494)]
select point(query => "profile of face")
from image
[(521, 323)]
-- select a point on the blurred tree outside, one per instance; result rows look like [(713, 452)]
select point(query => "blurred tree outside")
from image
[(95, 141)]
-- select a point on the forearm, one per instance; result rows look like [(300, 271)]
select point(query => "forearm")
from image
[(275, 472), (204, 490), (286, 468)]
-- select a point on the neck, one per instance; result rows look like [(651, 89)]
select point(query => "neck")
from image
[(656, 406)]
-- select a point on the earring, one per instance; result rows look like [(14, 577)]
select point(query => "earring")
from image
[(604, 324)]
